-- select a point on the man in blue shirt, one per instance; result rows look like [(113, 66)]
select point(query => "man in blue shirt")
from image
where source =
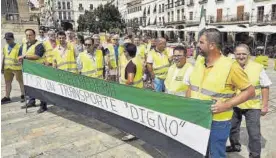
[(36, 55)]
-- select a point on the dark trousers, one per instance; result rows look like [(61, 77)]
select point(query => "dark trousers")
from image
[(252, 119)]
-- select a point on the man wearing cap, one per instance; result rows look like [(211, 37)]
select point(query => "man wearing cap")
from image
[(11, 67), (32, 50)]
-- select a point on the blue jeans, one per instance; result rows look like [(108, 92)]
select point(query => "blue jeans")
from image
[(159, 85), (219, 134)]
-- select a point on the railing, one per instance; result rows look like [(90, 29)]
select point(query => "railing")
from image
[(230, 18), (169, 5), (202, 1), (191, 3), (219, 1), (266, 18), (179, 3)]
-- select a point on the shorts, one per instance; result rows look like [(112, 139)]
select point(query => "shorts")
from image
[(9, 74)]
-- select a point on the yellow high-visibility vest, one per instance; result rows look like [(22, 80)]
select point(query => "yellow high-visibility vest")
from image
[(68, 63), (112, 55), (31, 51), (138, 79), (11, 61), (174, 81), (161, 64), (141, 49), (49, 51), (253, 70), (90, 67), (212, 86)]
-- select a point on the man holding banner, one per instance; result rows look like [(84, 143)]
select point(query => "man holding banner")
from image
[(35, 51), (217, 78), (178, 73)]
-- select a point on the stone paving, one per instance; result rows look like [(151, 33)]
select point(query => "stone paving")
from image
[(61, 133)]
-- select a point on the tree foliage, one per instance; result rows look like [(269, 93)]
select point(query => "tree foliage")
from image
[(103, 18)]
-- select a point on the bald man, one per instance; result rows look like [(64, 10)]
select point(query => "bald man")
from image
[(158, 64)]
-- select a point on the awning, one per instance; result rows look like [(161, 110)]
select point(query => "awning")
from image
[(263, 29)]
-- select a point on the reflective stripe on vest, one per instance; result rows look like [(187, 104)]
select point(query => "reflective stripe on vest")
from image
[(65, 63), (10, 58), (212, 94)]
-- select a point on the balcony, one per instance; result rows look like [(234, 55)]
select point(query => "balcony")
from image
[(266, 18), (169, 6), (202, 1), (180, 21), (260, 0), (179, 3), (229, 19), (190, 4), (192, 22), (219, 1)]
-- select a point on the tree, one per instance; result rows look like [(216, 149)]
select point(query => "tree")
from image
[(103, 18)]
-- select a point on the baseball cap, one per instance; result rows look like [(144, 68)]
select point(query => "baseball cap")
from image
[(9, 35)]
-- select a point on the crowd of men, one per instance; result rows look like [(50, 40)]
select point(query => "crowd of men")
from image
[(238, 85)]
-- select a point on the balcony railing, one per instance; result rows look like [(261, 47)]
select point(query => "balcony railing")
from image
[(230, 19), (202, 1), (191, 3), (179, 3), (219, 1), (260, 0), (169, 6), (266, 18)]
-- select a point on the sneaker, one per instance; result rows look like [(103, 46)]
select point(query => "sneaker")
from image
[(22, 97), (128, 137), (28, 105), (233, 149), (5, 100)]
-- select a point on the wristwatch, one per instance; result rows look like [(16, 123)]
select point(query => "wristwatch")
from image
[(25, 57)]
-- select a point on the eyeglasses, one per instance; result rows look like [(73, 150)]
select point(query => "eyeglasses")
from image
[(178, 56), (41, 32), (115, 39), (87, 45)]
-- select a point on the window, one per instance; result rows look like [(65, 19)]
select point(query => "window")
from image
[(163, 7), (183, 2), (63, 5), (183, 16), (60, 15), (172, 4), (68, 5), (160, 20), (260, 14), (59, 5), (149, 10), (169, 17), (178, 15), (273, 16), (172, 16), (160, 8), (80, 7), (69, 15), (64, 16), (191, 16), (91, 7)]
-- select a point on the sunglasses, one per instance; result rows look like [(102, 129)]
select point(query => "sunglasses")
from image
[(87, 45), (115, 39)]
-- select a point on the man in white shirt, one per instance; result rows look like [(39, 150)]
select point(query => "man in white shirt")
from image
[(176, 82), (252, 109), (41, 38)]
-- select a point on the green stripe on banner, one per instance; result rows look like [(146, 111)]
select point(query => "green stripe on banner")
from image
[(191, 110)]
